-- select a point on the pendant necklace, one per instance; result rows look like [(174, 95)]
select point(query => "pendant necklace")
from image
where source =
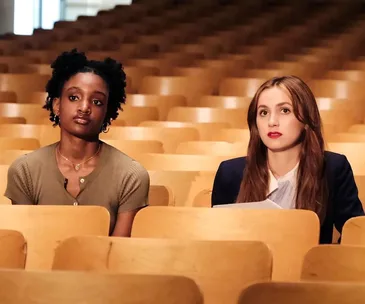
[(78, 166)]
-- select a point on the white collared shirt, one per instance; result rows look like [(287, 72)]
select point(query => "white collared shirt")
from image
[(283, 190)]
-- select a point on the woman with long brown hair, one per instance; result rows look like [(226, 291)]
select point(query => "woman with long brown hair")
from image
[(286, 161)]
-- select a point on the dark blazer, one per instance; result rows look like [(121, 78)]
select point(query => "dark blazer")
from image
[(343, 202)]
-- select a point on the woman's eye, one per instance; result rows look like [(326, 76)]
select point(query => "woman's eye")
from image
[(263, 113), (97, 102), (73, 98), (285, 111)]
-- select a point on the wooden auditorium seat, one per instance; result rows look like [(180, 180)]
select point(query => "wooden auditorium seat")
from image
[(353, 232), (13, 249), (288, 233), (336, 263), (170, 137), (163, 103), (303, 293), (237, 264), (234, 117), (63, 287), (45, 226)]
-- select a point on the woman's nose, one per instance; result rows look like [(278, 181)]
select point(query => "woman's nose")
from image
[(84, 107), (273, 120)]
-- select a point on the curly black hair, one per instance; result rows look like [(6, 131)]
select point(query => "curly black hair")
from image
[(69, 64)]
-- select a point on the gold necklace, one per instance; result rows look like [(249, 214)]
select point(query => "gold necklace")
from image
[(77, 166)]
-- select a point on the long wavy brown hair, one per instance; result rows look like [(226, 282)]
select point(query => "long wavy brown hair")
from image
[(312, 190)]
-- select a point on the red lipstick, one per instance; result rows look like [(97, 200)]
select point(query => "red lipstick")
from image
[(274, 134)]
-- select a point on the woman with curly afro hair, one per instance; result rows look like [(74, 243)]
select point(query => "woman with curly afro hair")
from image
[(84, 96)]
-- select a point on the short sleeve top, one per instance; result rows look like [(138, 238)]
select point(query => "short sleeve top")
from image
[(117, 183)]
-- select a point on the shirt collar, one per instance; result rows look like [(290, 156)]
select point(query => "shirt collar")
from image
[(274, 183)]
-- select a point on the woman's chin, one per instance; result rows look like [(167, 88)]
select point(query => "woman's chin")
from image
[(82, 133), (282, 148)]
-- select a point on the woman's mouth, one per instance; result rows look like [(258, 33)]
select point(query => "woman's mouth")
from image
[(274, 134), (81, 121)]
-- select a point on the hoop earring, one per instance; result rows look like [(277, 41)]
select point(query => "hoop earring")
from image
[(56, 120), (105, 128)]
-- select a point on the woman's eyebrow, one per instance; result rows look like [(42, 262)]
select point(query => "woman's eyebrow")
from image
[(73, 88), (284, 103), (77, 88), (99, 92)]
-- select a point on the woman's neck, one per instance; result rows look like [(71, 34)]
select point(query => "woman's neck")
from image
[(77, 149), (280, 163)]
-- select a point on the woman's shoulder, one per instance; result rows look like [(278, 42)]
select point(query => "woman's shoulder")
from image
[(338, 168), (30, 163), (234, 164), (37, 157), (232, 169), (335, 160)]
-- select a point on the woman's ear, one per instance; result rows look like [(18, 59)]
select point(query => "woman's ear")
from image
[(56, 106)]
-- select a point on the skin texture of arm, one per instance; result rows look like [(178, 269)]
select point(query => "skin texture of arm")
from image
[(123, 226)]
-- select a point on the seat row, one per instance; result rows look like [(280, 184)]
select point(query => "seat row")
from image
[(192, 83), (179, 223), (103, 288), (242, 253)]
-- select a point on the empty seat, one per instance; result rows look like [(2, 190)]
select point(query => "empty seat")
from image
[(303, 293), (133, 116), (211, 148), (353, 232), (13, 249), (236, 263), (45, 134), (31, 112), (160, 195), (357, 128), (178, 181), (245, 87), (205, 129), (331, 118), (7, 157), (334, 263), (38, 98), (135, 147), (42, 69), (93, 288), (346, 137), (23, 84), (8, 96), (190, 88), (336, 89), (299, 229), (234, 117), (170, 137), (181, 162), (12, 120), (214, 76), (163, 103), (232, 135), (44, 227), (136, 74), (349, 75), (226, 102), (9, 143)]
